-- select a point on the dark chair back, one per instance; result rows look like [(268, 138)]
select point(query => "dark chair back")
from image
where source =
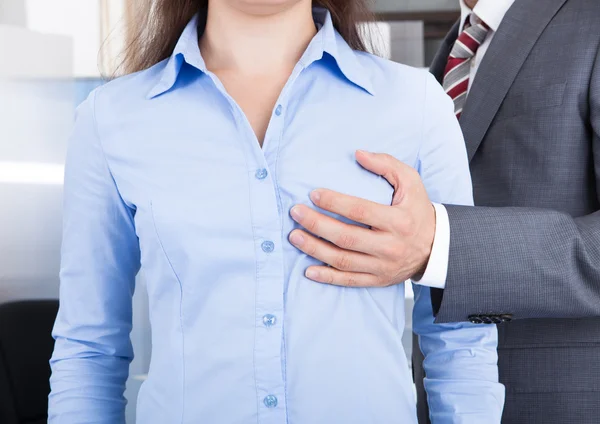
[(26, 345)]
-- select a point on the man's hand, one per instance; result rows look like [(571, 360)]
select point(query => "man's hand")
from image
[(394, 249)]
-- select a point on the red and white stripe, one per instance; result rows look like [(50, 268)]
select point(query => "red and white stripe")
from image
[(458, 69)]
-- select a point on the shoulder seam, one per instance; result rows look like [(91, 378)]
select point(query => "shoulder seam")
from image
[(97, 133)]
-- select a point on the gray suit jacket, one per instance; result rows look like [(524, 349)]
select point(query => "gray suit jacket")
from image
[(531, 250)]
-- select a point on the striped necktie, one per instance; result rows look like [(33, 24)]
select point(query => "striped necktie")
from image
[(458, 69)]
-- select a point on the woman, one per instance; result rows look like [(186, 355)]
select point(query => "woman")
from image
[(189, 169)]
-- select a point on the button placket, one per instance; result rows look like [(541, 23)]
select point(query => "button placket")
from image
[(267, 229), (266, 223)]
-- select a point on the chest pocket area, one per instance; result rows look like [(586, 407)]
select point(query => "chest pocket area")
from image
[(533, 100)]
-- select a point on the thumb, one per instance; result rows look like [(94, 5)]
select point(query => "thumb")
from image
[(382, 164)]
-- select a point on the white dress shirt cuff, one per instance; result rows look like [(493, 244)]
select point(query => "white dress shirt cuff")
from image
[(437, 267)]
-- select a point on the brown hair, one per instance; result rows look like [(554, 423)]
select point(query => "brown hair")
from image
[(158, 24)]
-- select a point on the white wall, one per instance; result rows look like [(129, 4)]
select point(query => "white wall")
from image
[(90, 23), (12, 12), (36, 115), (35, 121), (79, 19), (26, 54)]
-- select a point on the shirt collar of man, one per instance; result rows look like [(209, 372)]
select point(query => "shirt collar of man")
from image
[(327, 40), (489, 11)]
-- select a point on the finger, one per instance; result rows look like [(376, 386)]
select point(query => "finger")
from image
[(344, 260), (346, 236), (385, 165), (328, 275), (356, 209)]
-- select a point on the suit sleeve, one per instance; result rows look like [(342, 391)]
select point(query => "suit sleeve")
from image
[(100, 259), (528, 263), (460, 359)]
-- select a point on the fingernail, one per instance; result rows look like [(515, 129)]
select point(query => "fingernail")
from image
[(296, 239), (296, 213), (364, 152), (315, 195), (312, 274)]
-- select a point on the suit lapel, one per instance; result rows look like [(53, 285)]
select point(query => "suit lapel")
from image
[(520, 29), (438, 66)]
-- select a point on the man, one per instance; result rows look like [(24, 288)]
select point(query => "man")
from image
[(525, 79)]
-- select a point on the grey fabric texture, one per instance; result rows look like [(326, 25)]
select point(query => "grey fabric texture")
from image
[(532, 247)]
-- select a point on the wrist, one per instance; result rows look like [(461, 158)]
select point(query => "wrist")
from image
[(429, 239)]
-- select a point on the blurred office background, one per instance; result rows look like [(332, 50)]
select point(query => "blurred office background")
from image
[(52, 54)]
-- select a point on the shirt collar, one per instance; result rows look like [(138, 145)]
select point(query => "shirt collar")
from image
[(327, 40), (186, 50), (489, 11)]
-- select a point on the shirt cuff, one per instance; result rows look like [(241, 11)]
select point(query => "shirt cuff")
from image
[(437, 267)]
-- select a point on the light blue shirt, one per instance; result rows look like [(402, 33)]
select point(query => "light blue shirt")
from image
[(165, 173)]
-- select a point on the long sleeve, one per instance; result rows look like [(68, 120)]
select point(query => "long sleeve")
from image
[(100, 259), (461, 359), (546, 263)]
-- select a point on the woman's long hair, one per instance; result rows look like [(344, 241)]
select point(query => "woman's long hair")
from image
[(157, 26)]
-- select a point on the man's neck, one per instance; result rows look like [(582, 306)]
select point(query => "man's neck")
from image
[(259, 43)]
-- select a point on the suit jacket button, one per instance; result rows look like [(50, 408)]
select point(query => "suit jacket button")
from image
[(475, 319), (487, 319)]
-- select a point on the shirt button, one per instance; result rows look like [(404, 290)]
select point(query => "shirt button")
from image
[(278, 110), (270, 401), (261, 174), (269, 320), (267, 246)]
